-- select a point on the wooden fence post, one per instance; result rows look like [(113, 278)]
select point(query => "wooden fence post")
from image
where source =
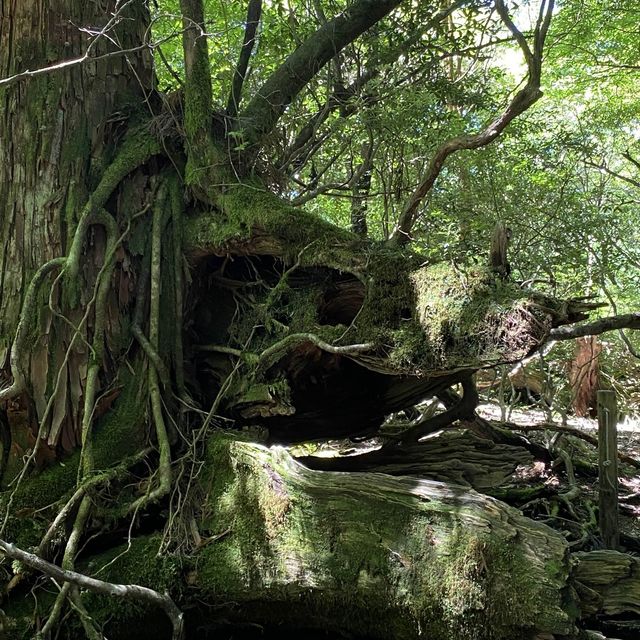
[(608, 468)]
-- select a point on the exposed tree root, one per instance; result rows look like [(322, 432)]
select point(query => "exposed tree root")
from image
[(135, 151), (97, 347), (164, 469), (120, 590), (26, 316), (177, 206), (136, 325), (85, 488)]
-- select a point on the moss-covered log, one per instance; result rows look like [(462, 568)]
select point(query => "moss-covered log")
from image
[(373, 555)]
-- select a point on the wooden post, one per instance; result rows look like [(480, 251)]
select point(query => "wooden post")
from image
[(608, 468)]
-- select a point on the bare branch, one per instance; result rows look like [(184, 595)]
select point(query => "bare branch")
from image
[(527, 96), (273, 97), (631, 159), (610, 323), (132, 591), (254, 13), (66, 64)]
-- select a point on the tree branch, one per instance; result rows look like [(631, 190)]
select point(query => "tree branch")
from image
[(342, 97), (204, 159), (611, 323), (603, 167), (273, 97), (576, 433), (115, 19), (463, 409), (254, 12), (132, 591), (631, 159), (527, 96)]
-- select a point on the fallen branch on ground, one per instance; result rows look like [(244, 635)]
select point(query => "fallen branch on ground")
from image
[(132, 591)]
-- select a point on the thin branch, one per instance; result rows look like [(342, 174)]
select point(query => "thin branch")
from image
[(603, 167), (132, 591), (254, 12), (74, 62), (526, 97), (270, 102), (169, 68), (275, 352)]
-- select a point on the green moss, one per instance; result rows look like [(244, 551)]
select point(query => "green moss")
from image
[(261, 521), (25, 527), (120, 433), (117, 434), (140, 563), (292, 233)]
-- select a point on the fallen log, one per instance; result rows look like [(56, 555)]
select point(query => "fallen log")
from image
[(460, 457), (373, 555)]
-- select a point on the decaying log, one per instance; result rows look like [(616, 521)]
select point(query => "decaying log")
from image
[(608, 582), (371, 554), (460, 457)]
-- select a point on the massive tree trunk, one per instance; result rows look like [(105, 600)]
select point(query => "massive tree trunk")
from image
[(118, 367), (58, 133)]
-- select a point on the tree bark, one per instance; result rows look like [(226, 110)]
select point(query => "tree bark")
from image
[(56, 132)]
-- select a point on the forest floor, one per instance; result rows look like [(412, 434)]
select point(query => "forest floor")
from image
[(628, 443)]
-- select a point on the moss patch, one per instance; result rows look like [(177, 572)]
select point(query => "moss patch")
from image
[(117, 434), (141, 564)]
